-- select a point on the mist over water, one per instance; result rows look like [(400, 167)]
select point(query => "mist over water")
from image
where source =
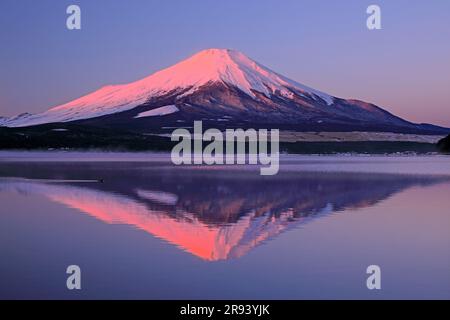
[(148, 229)]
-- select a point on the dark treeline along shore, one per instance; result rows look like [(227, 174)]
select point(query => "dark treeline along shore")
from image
[(66, 136), (444, 144)]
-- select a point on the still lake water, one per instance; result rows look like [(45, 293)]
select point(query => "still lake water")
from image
[(141, 228)]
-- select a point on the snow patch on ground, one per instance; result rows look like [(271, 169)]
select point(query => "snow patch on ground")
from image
[(161, 111), (292, 136)]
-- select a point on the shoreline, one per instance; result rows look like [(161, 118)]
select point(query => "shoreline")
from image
[(436, 164)]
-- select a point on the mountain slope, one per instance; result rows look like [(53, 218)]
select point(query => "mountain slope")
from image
[(224, 88)]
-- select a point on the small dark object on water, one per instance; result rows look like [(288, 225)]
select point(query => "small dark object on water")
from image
[(101, 180)]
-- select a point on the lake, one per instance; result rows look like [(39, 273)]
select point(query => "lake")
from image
[(142, 228)]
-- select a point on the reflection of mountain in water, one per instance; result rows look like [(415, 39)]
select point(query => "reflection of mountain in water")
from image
[(214, 215)]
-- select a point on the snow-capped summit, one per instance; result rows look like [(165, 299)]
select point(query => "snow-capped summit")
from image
[(206, 67), (228, 66), (224, 87)]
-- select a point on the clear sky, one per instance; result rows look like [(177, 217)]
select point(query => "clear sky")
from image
[(405, 67)]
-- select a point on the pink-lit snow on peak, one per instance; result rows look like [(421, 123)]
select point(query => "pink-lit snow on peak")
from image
[(207, 66), (229, 66)]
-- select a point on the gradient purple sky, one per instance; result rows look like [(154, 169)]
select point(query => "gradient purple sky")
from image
[(404, 68)]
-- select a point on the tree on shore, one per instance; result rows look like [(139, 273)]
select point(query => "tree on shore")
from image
[(444, 144)]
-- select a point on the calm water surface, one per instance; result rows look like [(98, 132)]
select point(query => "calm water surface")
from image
[(146, 229)]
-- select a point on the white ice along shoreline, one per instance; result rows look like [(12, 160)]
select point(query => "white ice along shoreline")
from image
[(384, 164), (229, 147)]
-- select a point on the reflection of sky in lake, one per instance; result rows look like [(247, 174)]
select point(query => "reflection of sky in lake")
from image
[(160, 232)]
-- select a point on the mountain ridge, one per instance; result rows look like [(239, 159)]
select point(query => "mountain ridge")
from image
[(221, 86)]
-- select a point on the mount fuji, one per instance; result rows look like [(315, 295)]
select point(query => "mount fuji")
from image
[(225, 89)]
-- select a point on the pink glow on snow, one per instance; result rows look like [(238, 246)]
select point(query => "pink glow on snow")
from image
[(186, 231), (208, 66)]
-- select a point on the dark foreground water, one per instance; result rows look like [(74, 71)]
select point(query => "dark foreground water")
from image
[(145, 229)]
